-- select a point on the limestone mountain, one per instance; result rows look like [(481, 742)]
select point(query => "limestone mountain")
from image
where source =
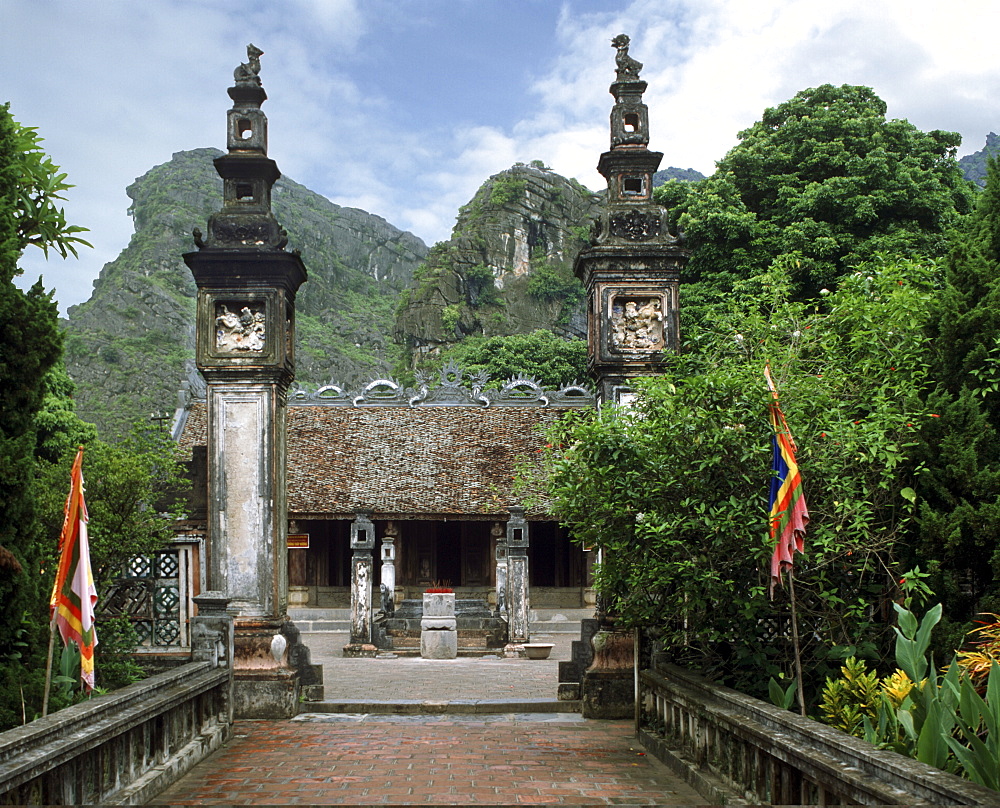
[(974, 165), (507, 268), (128, 345), (674, 173)]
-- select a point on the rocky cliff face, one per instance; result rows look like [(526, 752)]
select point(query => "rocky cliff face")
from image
[(507, 268), (127, 346), (974, 165)]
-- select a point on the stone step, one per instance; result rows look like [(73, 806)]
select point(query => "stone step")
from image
[(442, 707), (541, 621), (309, 620), (557, 621), (311, 614)]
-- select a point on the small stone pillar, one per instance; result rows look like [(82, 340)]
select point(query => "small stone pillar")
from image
[(362, 567), (500, 541), (517, 576), (438, 626), (212, 640), (388, 586)]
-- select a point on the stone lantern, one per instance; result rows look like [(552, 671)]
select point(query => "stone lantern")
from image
[(247, 284)]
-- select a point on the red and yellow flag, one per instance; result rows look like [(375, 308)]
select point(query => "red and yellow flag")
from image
[(789, 514), (74, 595)]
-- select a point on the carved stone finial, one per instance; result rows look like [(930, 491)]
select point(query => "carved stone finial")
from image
[(247, 73), (628, 68)]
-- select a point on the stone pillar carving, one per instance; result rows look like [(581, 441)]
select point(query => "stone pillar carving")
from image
[(517, 576), (500, 541), (362, 567), (388, 585)]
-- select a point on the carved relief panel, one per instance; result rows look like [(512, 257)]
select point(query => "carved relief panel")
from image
[(240, 328), (636, 323)]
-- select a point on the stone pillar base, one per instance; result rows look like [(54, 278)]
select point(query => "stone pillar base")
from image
[(358, 650), (264, 685), (265, 693)]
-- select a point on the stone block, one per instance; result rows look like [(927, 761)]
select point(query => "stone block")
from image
[(608, 694), (266, 693), (570, 672), (439, 604), (439, 644), (568, 691), (582, 652)]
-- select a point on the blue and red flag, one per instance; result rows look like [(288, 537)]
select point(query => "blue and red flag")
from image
[(788, 513)]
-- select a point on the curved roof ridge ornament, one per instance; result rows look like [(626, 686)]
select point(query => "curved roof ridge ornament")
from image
[(524, 389), (450, 386), (329, 392), (380, 390), (423, 388)]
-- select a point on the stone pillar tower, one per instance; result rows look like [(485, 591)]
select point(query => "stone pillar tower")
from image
[(244, 342), (632, 270)]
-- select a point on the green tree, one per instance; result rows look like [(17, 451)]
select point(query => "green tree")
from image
[(38, 219), (30, 344), (675, 491), (959, 487), (553, 361), (826, 178)]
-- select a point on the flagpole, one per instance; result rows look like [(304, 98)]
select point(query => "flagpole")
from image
[(48, 668), (795, 645)]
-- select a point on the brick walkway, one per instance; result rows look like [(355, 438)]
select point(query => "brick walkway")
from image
[(425, 760), (330, 759)]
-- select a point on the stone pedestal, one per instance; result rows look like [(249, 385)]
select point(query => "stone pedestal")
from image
[(438, 627), (265, 686), (608, 687)]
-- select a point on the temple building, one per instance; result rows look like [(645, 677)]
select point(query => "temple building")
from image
[(433, 470)]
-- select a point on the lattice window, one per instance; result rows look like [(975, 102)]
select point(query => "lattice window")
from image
[(153, 594)]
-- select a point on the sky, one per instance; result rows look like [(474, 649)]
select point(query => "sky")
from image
[(405, 107)]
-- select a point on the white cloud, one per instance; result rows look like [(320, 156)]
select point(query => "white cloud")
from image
[(117, 86)]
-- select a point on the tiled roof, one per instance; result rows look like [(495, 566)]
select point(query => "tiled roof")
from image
[(402, 462)]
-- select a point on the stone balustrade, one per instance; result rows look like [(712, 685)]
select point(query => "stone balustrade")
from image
[(122, 748), (732, 747)]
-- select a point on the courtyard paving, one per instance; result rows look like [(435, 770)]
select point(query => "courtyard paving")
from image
[(506, 758), (407, 678)]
